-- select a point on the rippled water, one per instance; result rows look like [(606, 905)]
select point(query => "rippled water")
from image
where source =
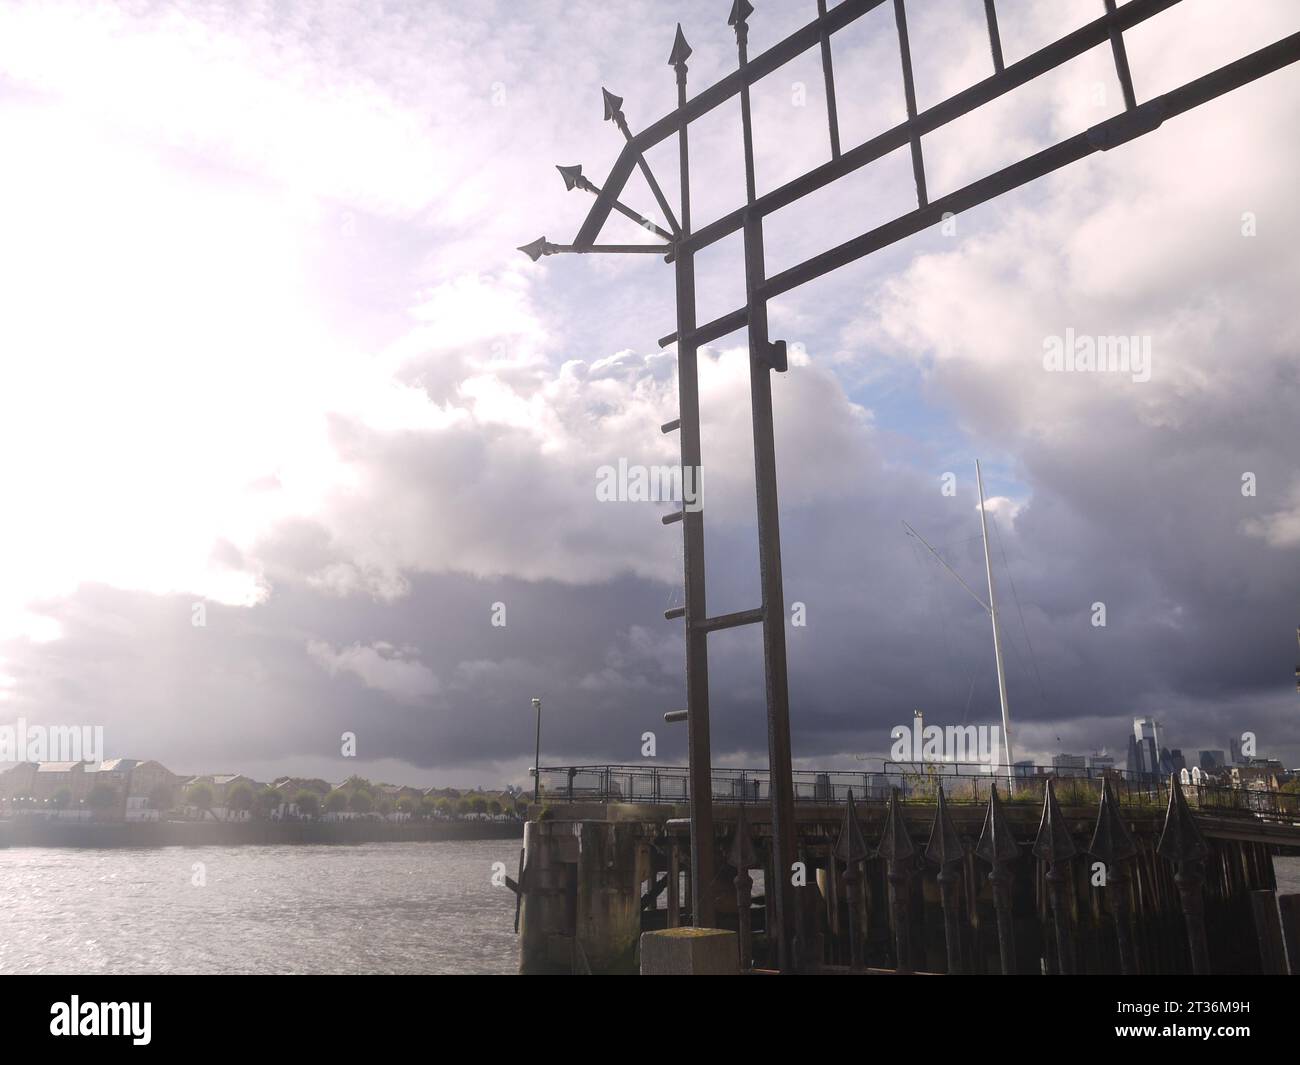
[(374, 908)]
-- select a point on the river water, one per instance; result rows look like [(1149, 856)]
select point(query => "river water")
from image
[(374, 908)]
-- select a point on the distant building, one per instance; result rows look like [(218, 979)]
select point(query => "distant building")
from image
[(1101, 761), (1234, 751), (1025, 768), (1069, 765), (1210, 760), (1144, 732)]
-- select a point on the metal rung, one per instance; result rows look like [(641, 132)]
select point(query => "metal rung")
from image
[(668, 427), (675, 516), (675, 612), (730, 621), (675, 715)]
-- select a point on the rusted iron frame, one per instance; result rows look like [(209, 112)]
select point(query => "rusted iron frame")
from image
[(1050, 56), (1102, 137)]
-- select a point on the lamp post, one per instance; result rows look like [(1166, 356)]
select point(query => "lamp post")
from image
[(537, 756)]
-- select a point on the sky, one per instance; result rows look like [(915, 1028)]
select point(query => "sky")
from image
[(288, 422)]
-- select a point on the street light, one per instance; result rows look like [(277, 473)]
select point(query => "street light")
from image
[(537, 756)]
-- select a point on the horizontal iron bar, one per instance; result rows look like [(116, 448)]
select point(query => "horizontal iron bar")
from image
[(718, 93), (675, 516), (674, 612), (1100, 137), (668, 427), (620, 249), (719, 327), (675, 715), (730, 621)]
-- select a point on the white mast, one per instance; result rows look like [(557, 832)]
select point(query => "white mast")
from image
[(997, 638)]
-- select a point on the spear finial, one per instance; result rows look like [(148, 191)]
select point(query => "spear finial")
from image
[(613, 106), (572, 175), (850, 847), (1111, 840), (1181, 840), (945, 844), (1053, 843), (740, 10), (996, 843), (537, 248), (895, 843), (741, 856), (681, 51)]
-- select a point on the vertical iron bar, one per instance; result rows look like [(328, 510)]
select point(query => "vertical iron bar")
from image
[(674, 885), (828, 75), (1121, 58), (781, 777), (697, 651), (995, 39), (773, 595), (909, 92)]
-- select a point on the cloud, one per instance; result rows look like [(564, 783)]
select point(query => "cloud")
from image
[(381, 667)]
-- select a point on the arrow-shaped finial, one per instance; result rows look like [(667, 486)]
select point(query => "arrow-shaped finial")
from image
[(681, 50), (945, 846), (740, 11), (1181, 839), (851, 847), (572, 176), (613, 105), (741, 856), (996, 843), (536, 249), (895, 844), (1111, 839), (1053, 843)]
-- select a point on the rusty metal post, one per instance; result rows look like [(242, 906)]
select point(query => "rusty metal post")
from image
[(1113, 844), (1055, 846), (697, 650), (1182, 844), (898, 852), (742, 858), (764, 356), (1268, 926), (1289, 908), (674, 885), (947, 850), (851, 849), (998, 847)]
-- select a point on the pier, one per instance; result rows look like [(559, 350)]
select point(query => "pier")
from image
[(914, 872)]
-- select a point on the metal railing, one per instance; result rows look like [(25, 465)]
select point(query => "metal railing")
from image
[(962, 783)]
